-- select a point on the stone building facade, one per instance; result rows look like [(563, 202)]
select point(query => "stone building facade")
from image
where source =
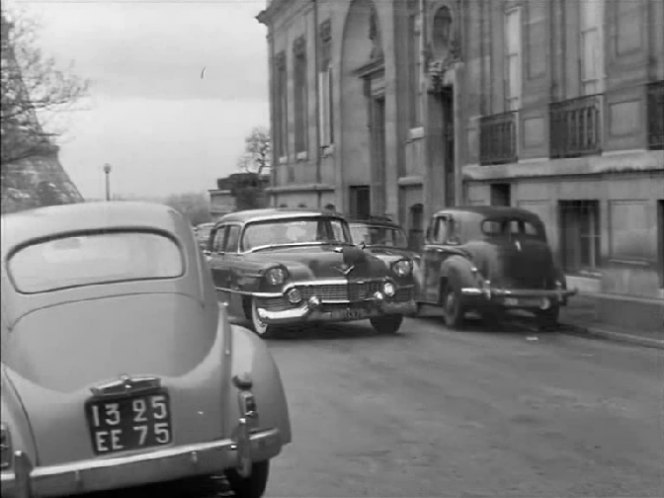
[(403, 107)]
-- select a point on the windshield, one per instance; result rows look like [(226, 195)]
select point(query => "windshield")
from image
[(376, 235), (512, 228), (278, 232), (89, 259)]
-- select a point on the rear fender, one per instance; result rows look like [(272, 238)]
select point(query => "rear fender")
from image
[(18, 424), (250, 355)]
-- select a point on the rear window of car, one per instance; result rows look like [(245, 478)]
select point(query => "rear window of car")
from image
[(511, 227), (94, 258)]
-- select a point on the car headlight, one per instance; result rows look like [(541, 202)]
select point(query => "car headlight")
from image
[(276, 275), (403, 267), (388, 289), (5, 447)]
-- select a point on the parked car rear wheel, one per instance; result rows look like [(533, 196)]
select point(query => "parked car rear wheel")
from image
[(386, 324), (252, 486), (261, 328), (453, 307)]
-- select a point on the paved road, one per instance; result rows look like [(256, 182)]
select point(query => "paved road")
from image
[(436, 413)]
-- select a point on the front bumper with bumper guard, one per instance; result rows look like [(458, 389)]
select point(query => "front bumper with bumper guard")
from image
[(313, 310)]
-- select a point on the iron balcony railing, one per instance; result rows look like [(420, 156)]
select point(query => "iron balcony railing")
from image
[(656, 115), (575, 127), (498, 138)]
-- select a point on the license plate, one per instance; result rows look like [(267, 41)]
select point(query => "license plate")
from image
[(354, 313), (129, 423)]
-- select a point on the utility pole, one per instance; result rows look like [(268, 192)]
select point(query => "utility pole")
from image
[(107, 172)]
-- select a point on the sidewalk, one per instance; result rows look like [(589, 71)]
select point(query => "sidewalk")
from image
[(581, 317)]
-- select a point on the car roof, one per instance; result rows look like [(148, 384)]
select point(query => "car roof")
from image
[(23, 226), (250, 215), (491, 211)]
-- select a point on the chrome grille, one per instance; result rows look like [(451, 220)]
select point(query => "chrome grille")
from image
[(343, 291)]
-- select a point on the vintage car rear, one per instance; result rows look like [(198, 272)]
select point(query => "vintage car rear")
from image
[(119, 368), (491, 259), (289, 267)]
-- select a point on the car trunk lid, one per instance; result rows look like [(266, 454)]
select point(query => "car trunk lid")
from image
[(58, 357)]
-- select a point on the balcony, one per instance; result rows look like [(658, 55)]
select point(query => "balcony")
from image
[(498, 138), (656, 115), (575, 127)]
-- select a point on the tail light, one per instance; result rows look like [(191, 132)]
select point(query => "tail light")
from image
[(5, 447)]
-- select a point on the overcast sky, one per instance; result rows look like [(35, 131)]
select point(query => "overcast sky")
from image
[(162, 127)]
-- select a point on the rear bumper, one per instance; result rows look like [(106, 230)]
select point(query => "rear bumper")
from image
[(313, 311), (531, 298), (132, 470)]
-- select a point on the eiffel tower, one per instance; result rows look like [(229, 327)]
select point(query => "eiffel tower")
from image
[(31, 173)]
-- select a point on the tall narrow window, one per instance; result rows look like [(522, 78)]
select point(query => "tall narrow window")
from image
[(281, 105), (414, 64), (590, 22), (325, 109), (300, 102), (513, 58)]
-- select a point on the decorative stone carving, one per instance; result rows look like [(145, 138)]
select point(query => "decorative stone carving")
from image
[(375, 36), (325, 31), (280, 60), (300, 46), (444, 50), (325, 47)]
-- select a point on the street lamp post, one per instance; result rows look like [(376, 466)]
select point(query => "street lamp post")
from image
[(107, 171)]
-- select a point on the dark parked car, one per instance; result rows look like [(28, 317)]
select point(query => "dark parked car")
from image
[(286, 267), (491, 259)]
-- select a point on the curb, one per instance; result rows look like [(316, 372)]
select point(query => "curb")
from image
[(594, 332)]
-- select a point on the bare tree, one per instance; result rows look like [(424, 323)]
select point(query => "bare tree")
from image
[(257, 152), (32, 84)]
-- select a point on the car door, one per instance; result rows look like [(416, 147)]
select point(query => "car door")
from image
[(435, 251)]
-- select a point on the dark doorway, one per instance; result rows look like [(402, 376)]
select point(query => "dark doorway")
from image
[(660, 239), (447, 101), (415, 228), (360, 202), (580, 235), (501, 194), (378, 153)]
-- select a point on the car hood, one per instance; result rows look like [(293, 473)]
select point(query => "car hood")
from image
[(75, 344), (325, 262), (517, 263)]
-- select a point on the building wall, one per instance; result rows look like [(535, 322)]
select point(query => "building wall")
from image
[(621, 181)]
